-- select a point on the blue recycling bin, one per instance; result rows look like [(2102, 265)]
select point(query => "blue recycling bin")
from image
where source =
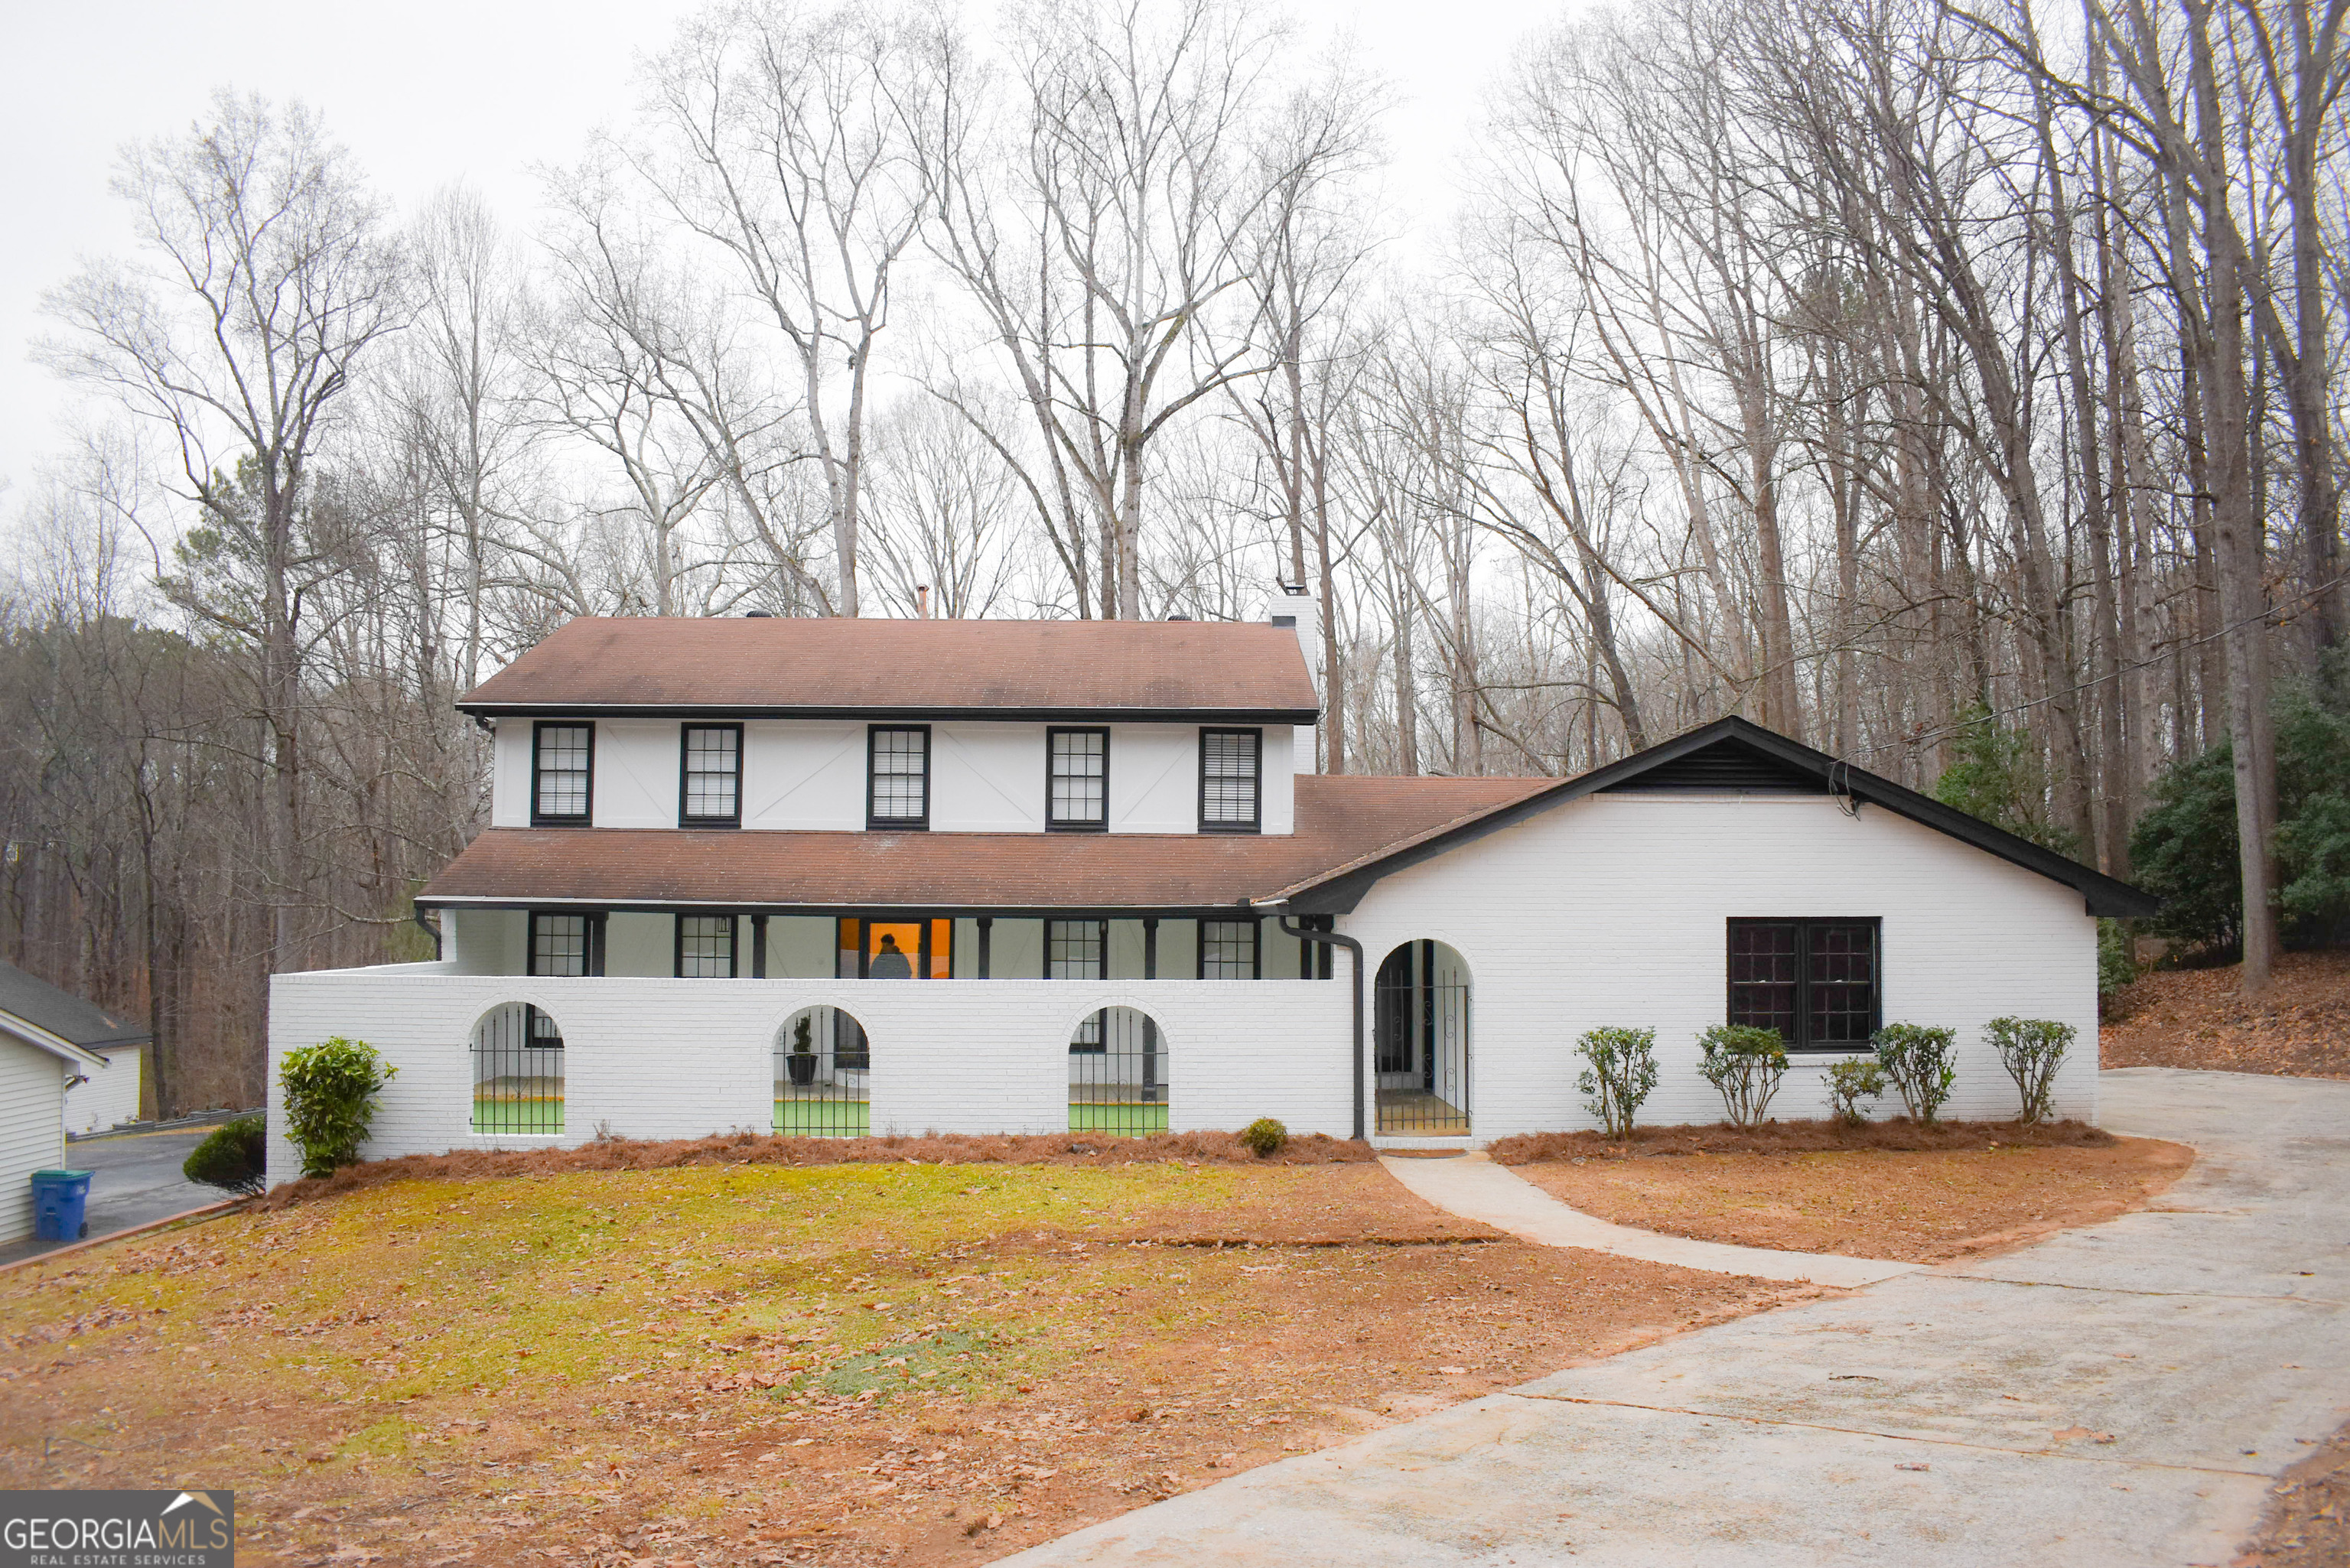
[(58, 1198)]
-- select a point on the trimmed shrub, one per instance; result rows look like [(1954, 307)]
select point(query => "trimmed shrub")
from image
[(235, 1158), (330, 1090), (1266, 1137), (1623, 1071), (1745, 1063), (1917, 1061), (1850, 1083), (2030, 1049)]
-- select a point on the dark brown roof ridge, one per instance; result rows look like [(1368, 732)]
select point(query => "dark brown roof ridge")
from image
[(783, 667)]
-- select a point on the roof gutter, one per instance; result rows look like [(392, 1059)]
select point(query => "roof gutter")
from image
[(1332, 939)]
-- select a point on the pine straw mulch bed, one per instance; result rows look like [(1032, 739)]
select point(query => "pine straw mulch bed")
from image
[(2196, 1018), (1092, 1150), (1899, 1189), (2306, 1524), (770, 1364)]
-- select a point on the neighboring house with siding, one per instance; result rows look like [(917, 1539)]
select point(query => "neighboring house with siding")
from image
[(829, 876), (52, 1043)]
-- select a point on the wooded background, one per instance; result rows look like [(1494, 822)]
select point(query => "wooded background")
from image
[(1951, 387)]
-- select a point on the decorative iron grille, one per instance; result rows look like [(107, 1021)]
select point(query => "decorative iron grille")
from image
[(823, 1067), (517, 1071), (1117, 1074), (1420, 1032)]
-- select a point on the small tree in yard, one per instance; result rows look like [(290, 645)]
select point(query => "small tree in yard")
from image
[(1917, 1061), (2030, 1049), (1851, 1082), (1745, 1063), (1622, 1070), (1265, 1136), (235, 1158), (330, 1090)]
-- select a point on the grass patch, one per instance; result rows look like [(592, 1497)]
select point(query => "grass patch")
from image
[(823, 1118)]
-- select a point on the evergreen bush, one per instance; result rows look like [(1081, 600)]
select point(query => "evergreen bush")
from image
[(1622, 1072), (1850, 1083), (1265, 1136), (330, 1090), (235, 1158), (1745, 1063), (1917, 1061), (2030, 1049)]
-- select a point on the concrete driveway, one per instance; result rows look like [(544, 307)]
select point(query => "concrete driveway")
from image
[(137, 1180), (2120, 1394)]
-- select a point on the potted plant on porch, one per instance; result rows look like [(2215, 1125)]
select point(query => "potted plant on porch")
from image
[(801, 1062)]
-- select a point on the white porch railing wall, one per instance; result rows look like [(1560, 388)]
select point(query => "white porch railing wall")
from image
[(685, 1058)]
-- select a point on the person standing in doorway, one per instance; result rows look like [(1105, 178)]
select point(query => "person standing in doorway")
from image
[(890, 962)]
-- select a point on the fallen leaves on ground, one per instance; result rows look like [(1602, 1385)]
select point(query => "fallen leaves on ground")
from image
[(2300, 1027)]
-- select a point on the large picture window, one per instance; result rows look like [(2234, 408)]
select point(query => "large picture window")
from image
[(1076, 780), (710, 788), (1817, 982), (1228, 950), (1230, 765), (562, 773), (705, 947), (898, 794)]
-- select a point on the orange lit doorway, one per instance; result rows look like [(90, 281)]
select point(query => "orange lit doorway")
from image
[(926, 945)]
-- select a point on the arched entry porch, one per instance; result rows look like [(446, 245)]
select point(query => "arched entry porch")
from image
[(1419, 1033)]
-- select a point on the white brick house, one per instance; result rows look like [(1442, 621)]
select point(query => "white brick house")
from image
[(838, 876)]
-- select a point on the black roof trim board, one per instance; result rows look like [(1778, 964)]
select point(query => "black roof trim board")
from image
[(1307, 716), (875, 909), (1338, 893)]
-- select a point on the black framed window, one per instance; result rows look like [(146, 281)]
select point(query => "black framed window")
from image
[(1817, 982), (705, 947), (562, 773), (898, 775), (1228, 950), (1076, 780), (559, 944), (1231, 769), (1073, 949), (710, 783)]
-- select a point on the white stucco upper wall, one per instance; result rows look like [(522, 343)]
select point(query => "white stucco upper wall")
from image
[(810, 776), (1612, 911)]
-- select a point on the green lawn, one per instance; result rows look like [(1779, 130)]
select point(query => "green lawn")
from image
[(1130, 1119), (513, 1114), (823, 1118)]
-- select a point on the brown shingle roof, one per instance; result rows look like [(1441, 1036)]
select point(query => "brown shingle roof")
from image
[(906, 668), (1340, 821)]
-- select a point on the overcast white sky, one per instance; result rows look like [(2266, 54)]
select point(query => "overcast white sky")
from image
[(437, 90)]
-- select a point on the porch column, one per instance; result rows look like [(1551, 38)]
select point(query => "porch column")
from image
[(758, 947), (1149, 1024), (986, 936)]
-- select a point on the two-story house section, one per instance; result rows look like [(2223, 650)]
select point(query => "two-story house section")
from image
[(832, 877)]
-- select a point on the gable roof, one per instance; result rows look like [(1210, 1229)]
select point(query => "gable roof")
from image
[(1731, 753), (58, 1022), (759, 667), (1339, 819)]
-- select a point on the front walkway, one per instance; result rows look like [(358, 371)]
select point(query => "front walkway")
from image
[(2123, 1392)]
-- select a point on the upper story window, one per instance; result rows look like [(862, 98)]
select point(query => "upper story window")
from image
[(1228, 950), (705, 947), (1076, 780), (1231, 779), (563, 772), (710, 792), (1816, 981), (897, 789)]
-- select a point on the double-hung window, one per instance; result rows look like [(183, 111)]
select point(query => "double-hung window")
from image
[(1817, 982), (1230, 782), (1076, 780), (705, 947), (710, 785), (562, 773), (1076, 949), (898, 762), (1228, 950)]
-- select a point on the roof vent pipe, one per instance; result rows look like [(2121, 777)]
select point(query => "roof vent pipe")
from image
[(922, 600)]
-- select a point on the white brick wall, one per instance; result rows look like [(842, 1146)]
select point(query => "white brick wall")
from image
[(1611, 910), (682, 1058)]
